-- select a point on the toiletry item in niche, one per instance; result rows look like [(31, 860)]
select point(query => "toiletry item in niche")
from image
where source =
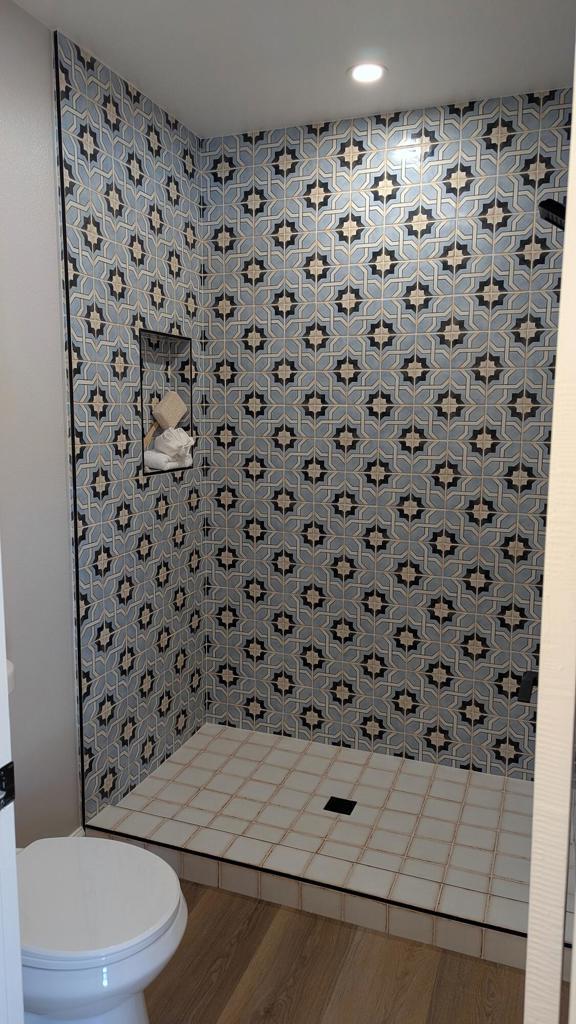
[(155, 461), (167, 413), (175, 443)]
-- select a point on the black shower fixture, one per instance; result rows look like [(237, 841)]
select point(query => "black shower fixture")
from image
[(553, 212)]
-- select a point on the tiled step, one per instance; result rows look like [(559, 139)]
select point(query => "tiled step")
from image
[(368, 912)]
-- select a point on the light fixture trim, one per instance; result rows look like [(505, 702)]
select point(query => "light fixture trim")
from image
[(367, 73)]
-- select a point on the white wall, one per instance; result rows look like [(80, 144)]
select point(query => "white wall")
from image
[(34, 507)]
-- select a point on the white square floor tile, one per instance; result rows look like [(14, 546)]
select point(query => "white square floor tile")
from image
[(303, 842), (431, 828), (354, 756), (366, 815), (175, 793), (400, 800), (447, 790), (257, 790), (443, 810), (209, 840), (389, 842), (479, 796), (369, 796), (396, 821), (471, 860), (460, 938), (363, 878), (423, 869), (327, 869), (477, 838), (415, 892), (278, 817), (312, 824), (377, 778), (409, 924), (287, 860), (222, 782), (481, 817), (110, 817), (140, 824), (378, 859), (462, 903), (406, 782), (226, 823), (340, 850), (344, 772), (302, 781), (133, 803), (521, 824), (207, 800), (269, 773), (239, 807), (249, 851), (517, 804), (196, 777), (162, 808), (293, 798), (417, 828), (194, 815), (467, 880), (349, 832), (517, 891), (507, 913), (516, 846), (267, 833), (430, 849), (516, 869), (175, 833)]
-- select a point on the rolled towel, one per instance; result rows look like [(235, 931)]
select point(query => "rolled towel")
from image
[(156, 461), (175, 443)]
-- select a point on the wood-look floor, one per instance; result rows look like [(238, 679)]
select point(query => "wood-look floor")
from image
[(242, 961)]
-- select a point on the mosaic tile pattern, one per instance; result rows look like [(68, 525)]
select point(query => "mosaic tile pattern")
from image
[(382, 304), (355, 556), (131, 203)]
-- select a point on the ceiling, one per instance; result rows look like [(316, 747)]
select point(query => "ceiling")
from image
[(225, 66)]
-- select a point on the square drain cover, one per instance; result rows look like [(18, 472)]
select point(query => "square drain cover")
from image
[(339, 805)]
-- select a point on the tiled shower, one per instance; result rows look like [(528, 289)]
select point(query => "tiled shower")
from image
[(355, 556), (381, 303)]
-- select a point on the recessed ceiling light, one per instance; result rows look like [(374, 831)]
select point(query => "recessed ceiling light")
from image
[(367, 72)]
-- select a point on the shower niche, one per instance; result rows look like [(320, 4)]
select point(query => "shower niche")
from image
[(166, 412)]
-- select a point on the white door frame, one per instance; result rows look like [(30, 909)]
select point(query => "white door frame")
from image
[(557, 669), (10, 963)]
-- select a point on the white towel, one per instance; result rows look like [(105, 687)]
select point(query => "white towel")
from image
[(157, 461), (175, 443)]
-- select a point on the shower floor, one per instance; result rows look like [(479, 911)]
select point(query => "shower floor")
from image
[(426, 836)]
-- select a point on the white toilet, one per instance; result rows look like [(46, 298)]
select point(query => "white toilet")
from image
[(99, 920)]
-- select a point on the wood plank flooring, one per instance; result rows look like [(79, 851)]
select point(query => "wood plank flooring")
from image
[(246, 962)]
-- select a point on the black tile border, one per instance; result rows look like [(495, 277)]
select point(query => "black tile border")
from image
[(71, 437)]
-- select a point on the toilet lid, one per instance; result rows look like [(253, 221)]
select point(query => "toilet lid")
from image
[(84, 902)]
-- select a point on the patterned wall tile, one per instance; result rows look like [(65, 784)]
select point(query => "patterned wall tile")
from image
[(381, 302), (131, 193), (356, 555)]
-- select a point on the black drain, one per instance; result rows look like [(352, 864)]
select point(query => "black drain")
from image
[(339, 805)]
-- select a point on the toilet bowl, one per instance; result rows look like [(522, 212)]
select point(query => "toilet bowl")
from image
[(99, 920)]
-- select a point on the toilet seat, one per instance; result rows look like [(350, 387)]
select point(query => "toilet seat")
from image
[(81, 902)]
